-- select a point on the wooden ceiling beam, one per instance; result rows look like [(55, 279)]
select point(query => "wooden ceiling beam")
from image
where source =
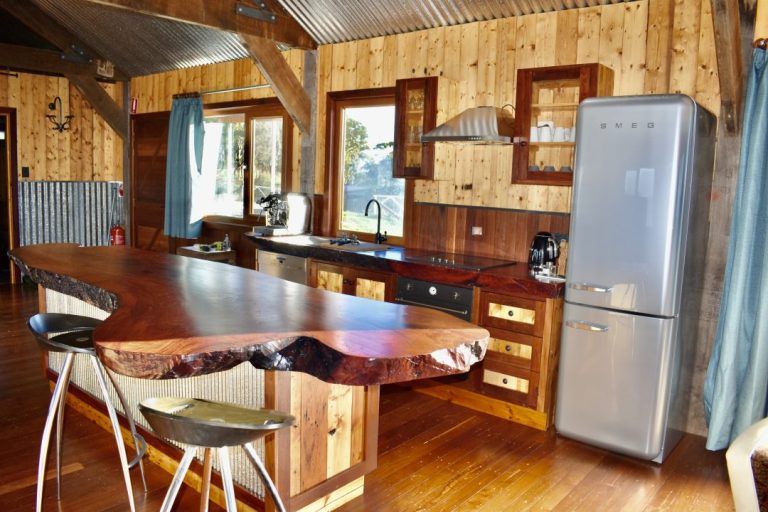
[(115, 116), (281, 77), (224, 15), (23, 58), (730, 66), (49, 29)]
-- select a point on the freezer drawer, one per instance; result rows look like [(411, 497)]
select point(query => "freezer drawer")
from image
[(617, 372)]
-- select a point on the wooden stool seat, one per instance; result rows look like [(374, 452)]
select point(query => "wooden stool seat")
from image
[(208, 424)]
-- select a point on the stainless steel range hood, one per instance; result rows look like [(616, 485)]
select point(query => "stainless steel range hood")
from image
[(479, 125)]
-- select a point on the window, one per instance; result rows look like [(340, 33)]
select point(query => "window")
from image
[(224, 163), (245, 158), (361, 165), (266, 158)]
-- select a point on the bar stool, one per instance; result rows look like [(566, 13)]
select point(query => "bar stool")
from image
[(206, 424), (73, 335)]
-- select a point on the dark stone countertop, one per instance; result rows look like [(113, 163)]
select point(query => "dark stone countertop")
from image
[(509, 277)]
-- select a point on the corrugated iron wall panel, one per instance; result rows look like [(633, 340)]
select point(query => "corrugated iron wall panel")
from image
[(65, 211)]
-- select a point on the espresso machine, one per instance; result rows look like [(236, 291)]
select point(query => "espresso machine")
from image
[(285, 214), (542, 256)]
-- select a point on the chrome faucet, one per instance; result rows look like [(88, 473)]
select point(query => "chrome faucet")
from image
[(379, 238)]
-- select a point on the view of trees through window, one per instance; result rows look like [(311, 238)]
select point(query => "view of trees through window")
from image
[(224, 164), (368, 139), (266, 158)]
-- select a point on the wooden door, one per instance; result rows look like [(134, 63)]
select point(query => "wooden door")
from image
[(149, 146)]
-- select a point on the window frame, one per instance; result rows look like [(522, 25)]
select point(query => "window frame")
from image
[(336, 102), (253, 109)]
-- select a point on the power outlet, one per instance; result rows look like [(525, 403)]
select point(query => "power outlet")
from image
[(477, 230)]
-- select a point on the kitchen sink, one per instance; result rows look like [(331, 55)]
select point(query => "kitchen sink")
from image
[(326, 243), (359, 247)]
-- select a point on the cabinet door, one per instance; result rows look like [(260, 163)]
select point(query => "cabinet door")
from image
[(415, 114), (327, 277), (546, 107), (368, 284), (374, 285)]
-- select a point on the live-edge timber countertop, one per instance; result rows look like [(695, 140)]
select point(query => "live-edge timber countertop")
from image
[(511, 278), (173, 316)]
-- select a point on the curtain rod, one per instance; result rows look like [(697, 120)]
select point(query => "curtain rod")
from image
[(236, 89)]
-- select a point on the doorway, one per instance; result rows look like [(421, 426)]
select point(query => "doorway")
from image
[(9, 235)]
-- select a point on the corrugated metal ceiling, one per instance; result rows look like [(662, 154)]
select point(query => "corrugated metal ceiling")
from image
[(141, 45)]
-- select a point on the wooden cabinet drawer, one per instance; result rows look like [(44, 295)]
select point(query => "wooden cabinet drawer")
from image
[(510, 383), (512, 313), (521, 350)]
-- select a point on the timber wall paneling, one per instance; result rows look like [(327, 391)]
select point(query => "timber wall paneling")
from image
[(652, 46), (89, 151)]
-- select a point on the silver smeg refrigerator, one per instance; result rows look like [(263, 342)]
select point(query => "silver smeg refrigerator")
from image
[(638, 236)]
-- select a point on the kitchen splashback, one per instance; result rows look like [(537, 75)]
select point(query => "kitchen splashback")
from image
[(507, 234)]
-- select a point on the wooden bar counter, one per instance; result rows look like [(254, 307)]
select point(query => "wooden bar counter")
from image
[(168, 317)]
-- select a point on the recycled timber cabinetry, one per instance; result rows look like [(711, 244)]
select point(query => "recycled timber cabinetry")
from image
[(518, 376), (546, 105), (369, 284), (415, 114)]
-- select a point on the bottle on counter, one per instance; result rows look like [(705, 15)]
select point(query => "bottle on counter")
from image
[(226, 245)]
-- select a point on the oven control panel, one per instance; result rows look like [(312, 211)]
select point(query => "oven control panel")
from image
[(451, 299)]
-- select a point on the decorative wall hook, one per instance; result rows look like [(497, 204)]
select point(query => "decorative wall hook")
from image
[(59, 120)]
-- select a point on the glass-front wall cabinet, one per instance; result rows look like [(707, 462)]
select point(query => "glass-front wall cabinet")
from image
[(416, 112), (547, 104)]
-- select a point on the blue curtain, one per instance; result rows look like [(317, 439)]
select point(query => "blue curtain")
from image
[(183, 167), (737, 376)]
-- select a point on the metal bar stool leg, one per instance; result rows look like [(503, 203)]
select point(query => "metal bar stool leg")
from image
[(58, 393), (205, 488), (116, 428), (178, 479), (138, 440), (65, 378), (226, 479), (270, 485)]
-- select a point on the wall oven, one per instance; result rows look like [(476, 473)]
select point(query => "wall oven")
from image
[(452, 299)]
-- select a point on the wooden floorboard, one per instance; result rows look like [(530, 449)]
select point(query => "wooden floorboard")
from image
[(92, 479), (433, 455)]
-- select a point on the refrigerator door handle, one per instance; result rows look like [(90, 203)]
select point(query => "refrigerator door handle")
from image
[(586, 326), (588, 287)]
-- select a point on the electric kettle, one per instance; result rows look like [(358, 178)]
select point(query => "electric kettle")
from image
[(542, 257)]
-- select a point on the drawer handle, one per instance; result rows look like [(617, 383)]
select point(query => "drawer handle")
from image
[(505, 380), (511, 312), (508, 348), (586, 326), (587, 287)]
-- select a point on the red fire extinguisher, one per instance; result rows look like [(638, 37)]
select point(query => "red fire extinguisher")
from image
[(117, 235), (117, 232)]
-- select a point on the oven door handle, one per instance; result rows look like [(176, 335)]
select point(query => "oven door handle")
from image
[(447, 310)]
